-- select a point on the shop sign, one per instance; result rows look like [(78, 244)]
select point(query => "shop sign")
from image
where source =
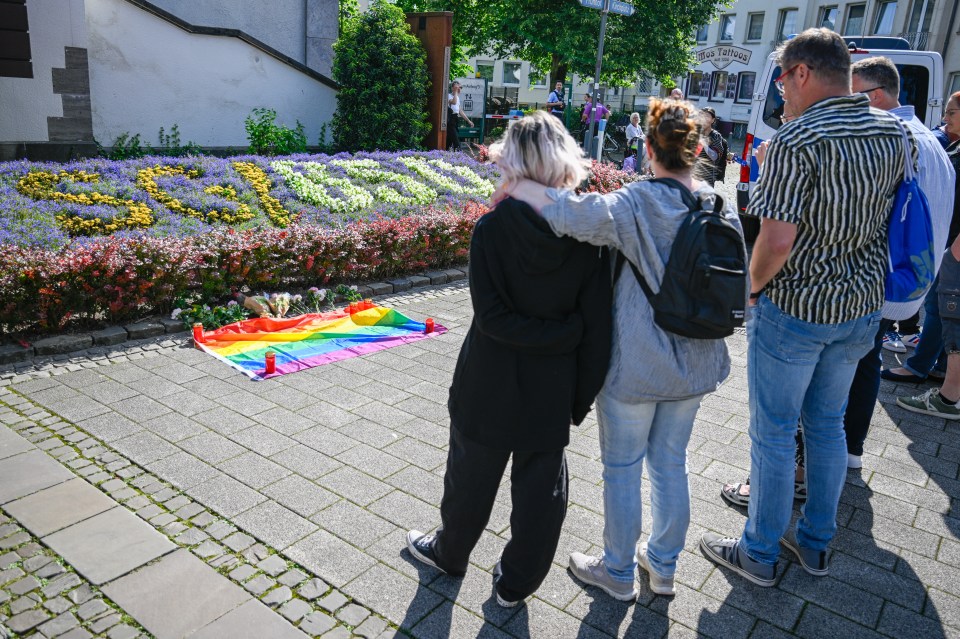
[(722, 55)]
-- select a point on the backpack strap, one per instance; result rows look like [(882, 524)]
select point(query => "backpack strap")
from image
[(618, 269)]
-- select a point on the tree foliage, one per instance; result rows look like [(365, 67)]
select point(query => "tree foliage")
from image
[(382, 71), (560, 36)]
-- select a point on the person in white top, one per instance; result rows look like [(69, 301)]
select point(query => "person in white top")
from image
[(453, 117)]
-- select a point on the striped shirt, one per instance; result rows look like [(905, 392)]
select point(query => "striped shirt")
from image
[(833, 172)]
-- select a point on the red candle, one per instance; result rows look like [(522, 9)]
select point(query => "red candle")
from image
[(368, 303), (429, 325), (271, 362), (353, 308), (198, 333)]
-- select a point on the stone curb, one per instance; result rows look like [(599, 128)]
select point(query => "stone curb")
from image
[(155, 327)]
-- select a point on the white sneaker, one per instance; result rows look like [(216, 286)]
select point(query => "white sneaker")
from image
[(592, 570), (892, 342), (911, 341), (658, 583), (854, 461)]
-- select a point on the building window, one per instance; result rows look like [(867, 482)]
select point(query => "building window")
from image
[(718, 91), (886, 11), (485, 71), (702, 33), (921, 15), (754, 27), (954, 84), (745, 87), (537, 79), (511, 73), (731, 87), (728, 23), (828, 18), (14, 40), (787, 24), (693, 85), (854, 22)]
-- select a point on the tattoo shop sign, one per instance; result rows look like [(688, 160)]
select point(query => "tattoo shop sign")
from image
[(722, 56)]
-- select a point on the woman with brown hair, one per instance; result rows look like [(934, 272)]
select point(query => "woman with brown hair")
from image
[(656, 379)]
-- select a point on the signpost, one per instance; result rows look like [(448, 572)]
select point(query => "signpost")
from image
[(605, 7)]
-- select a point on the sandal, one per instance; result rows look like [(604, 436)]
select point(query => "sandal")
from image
[(731, 493)]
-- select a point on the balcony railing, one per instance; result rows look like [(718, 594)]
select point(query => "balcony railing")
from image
[(918, 39)]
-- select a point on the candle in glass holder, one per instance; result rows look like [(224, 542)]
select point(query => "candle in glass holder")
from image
[(429, 325), (270, 362), (198, 333)]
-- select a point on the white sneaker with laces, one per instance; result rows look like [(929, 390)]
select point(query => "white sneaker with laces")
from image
[(592, 570), (911, 341), (658, 583), (892, 342)]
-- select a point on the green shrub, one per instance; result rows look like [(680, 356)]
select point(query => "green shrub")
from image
[(126, 147), (170, 144), (382, 71), (266, 137)]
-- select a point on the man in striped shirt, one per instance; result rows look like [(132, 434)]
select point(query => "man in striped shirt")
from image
[(817, 275)]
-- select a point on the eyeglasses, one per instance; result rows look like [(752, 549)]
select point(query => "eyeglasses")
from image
[(783, 76), (866, 91)]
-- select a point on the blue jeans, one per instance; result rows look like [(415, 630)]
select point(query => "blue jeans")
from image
[(930, 349), (798, 370), (659, 432)]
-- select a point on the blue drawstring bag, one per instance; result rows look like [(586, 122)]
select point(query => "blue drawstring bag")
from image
[(910, 237)]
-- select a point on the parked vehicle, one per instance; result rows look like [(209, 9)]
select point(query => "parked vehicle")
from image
[(921, 84)]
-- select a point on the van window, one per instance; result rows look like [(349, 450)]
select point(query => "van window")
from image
[(914, 90)]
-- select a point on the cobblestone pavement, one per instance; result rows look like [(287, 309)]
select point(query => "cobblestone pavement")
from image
[(300, 489)]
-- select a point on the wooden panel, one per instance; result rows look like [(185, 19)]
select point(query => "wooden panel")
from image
[(13, 17), (15, 69), (14, 45)]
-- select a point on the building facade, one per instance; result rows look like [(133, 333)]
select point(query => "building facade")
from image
[(77, 72), (732, 50)]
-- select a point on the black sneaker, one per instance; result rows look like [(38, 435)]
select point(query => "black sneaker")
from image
[(813, 561), (420, 546), (725, 551), (502, 601)]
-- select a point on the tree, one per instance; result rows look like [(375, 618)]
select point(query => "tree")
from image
[(560, 36), (382, 71)]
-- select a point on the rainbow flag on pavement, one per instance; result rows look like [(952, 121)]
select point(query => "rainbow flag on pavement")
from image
[(311, 340)]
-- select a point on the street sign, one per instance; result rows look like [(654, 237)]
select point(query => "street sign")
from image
[(623, 8), (592, 4)]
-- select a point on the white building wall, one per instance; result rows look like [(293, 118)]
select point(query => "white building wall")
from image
[(25, 103), (146, 73), (278, 23)]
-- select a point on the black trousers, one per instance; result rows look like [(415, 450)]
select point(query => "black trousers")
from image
[(453, 137), (538, 491)]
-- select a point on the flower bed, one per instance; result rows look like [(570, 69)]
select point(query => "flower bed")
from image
[(116, 240), (113, 241)]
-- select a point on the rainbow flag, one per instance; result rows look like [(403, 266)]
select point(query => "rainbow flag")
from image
[(311, 340)]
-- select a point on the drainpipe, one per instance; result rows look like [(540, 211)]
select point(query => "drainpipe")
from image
[(946, 40)]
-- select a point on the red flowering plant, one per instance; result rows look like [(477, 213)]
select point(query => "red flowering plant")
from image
[(606, 177)]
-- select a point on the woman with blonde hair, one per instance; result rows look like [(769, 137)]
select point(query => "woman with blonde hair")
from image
[(656, 379), (530, 366)]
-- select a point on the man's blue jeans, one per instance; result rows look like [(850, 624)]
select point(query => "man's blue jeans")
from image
[(930, 349), (629, 433), (798, 370)]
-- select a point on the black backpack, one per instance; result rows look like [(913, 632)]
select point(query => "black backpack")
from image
[(704, 287)]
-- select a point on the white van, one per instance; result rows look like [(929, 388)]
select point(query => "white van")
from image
[(921, 84)]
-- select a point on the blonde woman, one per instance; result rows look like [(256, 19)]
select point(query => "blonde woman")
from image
[(652, 392), (530, 366)]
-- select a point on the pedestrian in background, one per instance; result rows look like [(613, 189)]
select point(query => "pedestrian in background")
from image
[(712, 160), (454, 111)]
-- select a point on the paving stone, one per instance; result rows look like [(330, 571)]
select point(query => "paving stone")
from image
[(191, 537), (23, 586), (238, 541), (291, 578), (104, 623), (108, 545), (91, 609), (59, 506), (61, 584), (317, 623), (277, 596), (82, 594), (62, 344), (25, 474), (371, 628), (59, 625), (252, 619), (273, 565), (295, 610), (333, 602), (142, 330), (209, 549), (353, 615), (13, 353), (20, 604), (274, 524), (50, 570), (259, 585), (7, 559), (76, 633), (11, 574), (176, 595), (35, 563), (313, 589), (26, 620), (109, 336), (243, 572), (57, 605), (123, 631)]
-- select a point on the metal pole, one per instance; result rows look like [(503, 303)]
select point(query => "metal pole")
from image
[(596, 77)]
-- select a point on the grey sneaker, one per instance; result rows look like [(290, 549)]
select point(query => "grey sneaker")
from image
[(659, 584), (930, 403), (725, 551), (591, 570), (813, 561)]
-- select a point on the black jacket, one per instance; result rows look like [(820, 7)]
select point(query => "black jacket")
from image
[(537, 352)]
